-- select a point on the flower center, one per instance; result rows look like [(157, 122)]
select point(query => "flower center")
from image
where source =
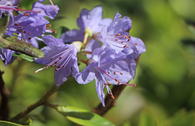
[(59, 60), (121, 39)]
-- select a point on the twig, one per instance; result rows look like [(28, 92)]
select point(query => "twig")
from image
[(109, 101), (20, 46), (4, 107), (16, 70), (40, 102)]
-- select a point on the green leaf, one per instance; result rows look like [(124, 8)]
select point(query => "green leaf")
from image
[(25, 57), (6, 123), (83, 117)]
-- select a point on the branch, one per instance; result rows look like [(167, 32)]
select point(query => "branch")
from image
[(16, 70), (109, 101), (40, 102), (4, 107), (20, 46)]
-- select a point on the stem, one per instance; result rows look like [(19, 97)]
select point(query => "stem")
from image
[(16, 70), (4, 107), (40, 102), (85, 40), (109, 101), (21, 46), (51, 2)]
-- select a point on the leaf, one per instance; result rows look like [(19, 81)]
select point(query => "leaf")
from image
[(83, 117), (6, 123), (25, 57)]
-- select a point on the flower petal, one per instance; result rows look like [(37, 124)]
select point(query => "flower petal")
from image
[(120, 24), (100, 90), (52, 41), (72, 35)]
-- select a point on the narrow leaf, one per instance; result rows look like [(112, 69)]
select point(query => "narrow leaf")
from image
[(83, 117), (6, 123), (25, 57)]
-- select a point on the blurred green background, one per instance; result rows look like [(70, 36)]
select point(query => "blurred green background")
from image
[(165, 78)]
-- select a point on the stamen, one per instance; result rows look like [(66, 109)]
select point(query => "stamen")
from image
[(119, 83), (110, 92), (122, 39), (26, 14), (48, 25), (107, 84), (111, 95), (64, 63), (53, 31), (108, 75), (131, 85), (86, 52), (40, 69), (57, 55), (58, 61), (117, 72), (49, 28), (16, 9)]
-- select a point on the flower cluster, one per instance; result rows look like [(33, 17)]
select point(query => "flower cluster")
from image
[(110, 52), (103, 45), (27, 25)]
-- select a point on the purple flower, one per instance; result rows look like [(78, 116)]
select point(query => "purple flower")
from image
[(45, 10), (107, 67), (6, 56), (92, 20), (7, 6), (111, 51), (137, 44), (116, 36), (27, 26), (60, 56), (32, 23), (120, 24), (8, 2), (72, 35)]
